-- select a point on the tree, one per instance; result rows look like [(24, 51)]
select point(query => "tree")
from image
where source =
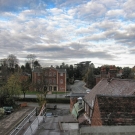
[(13, 85), (23, 68), (25, 83), (41, 100), (126, 72), (27, 68), (10, 90), (89, 77), (36, 63), (31, 59), (12, 60)]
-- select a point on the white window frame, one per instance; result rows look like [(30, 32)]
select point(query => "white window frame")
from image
[(61, 81)]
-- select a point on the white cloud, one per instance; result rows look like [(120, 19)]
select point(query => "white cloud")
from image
[(69, 31)]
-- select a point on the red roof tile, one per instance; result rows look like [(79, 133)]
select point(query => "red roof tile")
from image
[(116, 110), (114, 87)]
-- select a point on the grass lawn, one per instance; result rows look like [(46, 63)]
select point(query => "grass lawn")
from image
[(32, 92), (36, 92), (54, 92)]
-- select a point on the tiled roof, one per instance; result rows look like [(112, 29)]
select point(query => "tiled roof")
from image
[(114, 87), (76, 95), (61, 70), (116, 110), (38, 70)]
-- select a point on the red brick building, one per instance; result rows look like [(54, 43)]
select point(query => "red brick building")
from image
[(113, 87), (50, 79), (113, 110)]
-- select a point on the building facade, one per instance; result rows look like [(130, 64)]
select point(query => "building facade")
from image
[(49, 79)]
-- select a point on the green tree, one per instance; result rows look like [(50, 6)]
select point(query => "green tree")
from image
[(36, 63), (25, 83), (126, 72), (41, 100), (13, 85), (89, 77), (23, 68), (28, 68), (10, 90)]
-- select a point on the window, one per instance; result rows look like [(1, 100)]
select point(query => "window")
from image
[(50, 73), (61, 81), (46, 81), (61, 74), (46, 74), (38, 74), (54, 81), (54, 73), (50, 80)]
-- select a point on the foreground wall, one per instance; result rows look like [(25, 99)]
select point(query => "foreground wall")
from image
[(105, 130)]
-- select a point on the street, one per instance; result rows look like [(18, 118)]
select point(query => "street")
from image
[(77, 87)]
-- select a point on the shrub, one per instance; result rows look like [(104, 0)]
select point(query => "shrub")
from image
[(2, 111)]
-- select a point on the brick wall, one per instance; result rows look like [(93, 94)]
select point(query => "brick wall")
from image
[(96, 118), (62, 82)]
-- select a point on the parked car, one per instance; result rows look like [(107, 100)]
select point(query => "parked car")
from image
[(8, 109)]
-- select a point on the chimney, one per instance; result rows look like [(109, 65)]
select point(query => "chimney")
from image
[(103, 72), (112, 71)]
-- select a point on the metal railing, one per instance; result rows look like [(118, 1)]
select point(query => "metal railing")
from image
[(23, 123), (36, 123)]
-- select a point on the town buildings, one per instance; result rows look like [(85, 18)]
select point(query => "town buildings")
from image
[(107, 86), (49, 79)]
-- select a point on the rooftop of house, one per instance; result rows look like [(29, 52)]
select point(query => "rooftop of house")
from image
[(76, 94), (111, 87), (116, 110), (39, 69), (61, 70)]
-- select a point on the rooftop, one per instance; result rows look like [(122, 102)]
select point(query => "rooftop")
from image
[(116, 110), (112, 87)]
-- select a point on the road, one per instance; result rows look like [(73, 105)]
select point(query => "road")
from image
[(77, 87)]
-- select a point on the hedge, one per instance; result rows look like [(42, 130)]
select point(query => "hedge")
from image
[(49, 100)]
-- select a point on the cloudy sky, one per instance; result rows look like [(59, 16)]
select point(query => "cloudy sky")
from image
[(70, 31)]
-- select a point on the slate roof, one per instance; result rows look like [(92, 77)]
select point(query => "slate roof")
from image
[(76, 95), (116, 110), (114, 87), (37, 70), (61, 70)]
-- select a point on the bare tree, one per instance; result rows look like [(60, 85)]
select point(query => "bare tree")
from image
[(31, 59), (12, 60)]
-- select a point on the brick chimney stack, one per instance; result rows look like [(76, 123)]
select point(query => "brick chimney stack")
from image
[(112, 71), (103, 72)]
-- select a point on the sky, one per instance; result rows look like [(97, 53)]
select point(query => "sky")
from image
[(69, 31)]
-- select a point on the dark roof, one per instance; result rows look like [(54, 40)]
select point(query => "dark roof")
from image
[(116, 110), (114, 87), (61, 70), (37, 69), (76, 95)]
